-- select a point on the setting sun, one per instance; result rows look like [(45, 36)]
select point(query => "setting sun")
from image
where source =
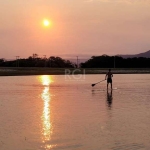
[(46, 22)]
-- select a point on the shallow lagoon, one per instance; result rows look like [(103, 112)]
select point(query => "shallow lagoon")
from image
[(66, 113)]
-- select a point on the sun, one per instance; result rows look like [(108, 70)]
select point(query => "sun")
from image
[(46, 22)]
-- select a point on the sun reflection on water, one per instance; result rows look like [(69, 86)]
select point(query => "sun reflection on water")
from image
[(46, 80), (46, 116)]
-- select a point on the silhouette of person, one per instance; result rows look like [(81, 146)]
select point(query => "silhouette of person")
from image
[(109, 98), (109, 76)]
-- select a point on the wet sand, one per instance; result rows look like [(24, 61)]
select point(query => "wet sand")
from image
[(19, 71)]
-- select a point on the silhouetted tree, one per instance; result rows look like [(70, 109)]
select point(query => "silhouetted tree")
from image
[(58, 62), (105, 61)]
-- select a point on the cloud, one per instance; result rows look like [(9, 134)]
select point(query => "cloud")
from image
[(120, 1), (88, 0)]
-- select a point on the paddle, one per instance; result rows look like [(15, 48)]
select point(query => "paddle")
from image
[(97, 82)]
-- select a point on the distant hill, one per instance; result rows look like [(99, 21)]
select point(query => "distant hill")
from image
[(145, 54), (80, 60), (83, 58)]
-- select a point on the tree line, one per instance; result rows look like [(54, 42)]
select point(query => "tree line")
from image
[(103, 61), (35, 61)]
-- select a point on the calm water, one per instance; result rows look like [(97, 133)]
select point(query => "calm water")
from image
[(54, 113)]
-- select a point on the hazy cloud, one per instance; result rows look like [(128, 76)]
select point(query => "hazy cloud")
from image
[(120, 1), (92, 27)]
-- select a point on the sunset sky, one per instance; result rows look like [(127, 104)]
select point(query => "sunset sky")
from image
[(73, 27)]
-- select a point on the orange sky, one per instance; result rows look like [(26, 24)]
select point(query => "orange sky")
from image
[(78, 27)]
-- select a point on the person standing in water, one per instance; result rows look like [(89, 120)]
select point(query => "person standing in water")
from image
[(109, 76)]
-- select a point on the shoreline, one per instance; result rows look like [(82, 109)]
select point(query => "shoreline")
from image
[(20, 71)]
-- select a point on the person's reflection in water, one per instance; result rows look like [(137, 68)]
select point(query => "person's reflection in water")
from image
[(109, 98), (93, 92)]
